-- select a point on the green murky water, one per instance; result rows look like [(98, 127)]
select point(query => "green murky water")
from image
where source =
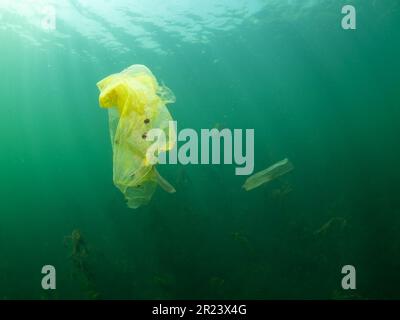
[(326, 98)]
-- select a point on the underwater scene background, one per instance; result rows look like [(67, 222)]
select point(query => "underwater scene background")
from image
[(326, 98)]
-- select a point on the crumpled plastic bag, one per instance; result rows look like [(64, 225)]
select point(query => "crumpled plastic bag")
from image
[(267, 175), (136, 104)]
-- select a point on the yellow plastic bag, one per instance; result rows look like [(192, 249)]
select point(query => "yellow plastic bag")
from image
[(136, 103)]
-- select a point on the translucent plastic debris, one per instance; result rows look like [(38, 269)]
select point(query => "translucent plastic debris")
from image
[(136, 104), (267, 175)]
